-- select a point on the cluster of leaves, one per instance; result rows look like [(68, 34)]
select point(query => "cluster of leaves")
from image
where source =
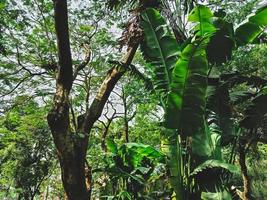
[(27, 154), (132, 168)]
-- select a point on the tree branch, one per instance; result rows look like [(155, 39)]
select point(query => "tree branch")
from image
[(105, 89), (65, 75), (83, 64)]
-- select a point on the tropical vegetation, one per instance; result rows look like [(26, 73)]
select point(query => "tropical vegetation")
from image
[(133, 99)]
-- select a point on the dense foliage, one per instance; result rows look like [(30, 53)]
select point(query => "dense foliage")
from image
[(133, 99)]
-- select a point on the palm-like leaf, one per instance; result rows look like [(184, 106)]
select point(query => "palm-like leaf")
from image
[(160, 49)]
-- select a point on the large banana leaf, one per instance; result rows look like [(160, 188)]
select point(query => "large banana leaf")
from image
[(160, 48), (225, 38), (186, 100), (221, 43), (220, 100), (219, 103), (252, 28)]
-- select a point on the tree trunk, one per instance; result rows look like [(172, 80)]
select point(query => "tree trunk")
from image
[(126, 124), (126, 129), (244, 171), (70, 151)]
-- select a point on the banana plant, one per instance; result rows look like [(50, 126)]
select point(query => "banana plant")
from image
[(134, 165), (181, 75)]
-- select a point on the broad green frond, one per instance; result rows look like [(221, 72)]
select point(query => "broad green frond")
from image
[(160, 49)]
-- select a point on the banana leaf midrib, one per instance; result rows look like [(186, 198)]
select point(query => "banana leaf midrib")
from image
[(200, 22), (160, 50)]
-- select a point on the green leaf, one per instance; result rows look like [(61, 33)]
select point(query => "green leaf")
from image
[(215, 164), (112, 146), (186, 101), (202, 15), (223, 195), (160, 48), (247, 33), (124, 195), (252, 28), (219, 103), (2, 5), (173, 151), (260, 17), (136, 152), (206, 143), (208, 176), (85, 28)]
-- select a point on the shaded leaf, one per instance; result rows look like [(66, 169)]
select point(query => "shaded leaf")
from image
[(112, 146), (222, 38), (255, 113)]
